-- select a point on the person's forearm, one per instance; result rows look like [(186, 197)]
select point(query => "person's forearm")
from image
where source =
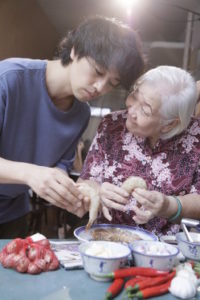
[(190, 207), (13, 172), (169, 208)]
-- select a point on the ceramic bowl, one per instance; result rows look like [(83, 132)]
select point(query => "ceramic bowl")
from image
[(84, 235), (103, 257), (154, 254), (189, 250)]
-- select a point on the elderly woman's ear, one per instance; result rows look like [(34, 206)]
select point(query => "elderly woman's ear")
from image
[(168, 127), (197, 109)]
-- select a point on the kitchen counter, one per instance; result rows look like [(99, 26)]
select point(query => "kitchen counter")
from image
[(55, 285)]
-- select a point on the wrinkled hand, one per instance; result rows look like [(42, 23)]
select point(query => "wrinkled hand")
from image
[(113, 197), (152, 203), (55, 186)]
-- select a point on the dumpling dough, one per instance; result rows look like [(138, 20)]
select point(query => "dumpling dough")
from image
[(134, 182)]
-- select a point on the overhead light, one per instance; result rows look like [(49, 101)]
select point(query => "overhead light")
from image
[(129, 5)]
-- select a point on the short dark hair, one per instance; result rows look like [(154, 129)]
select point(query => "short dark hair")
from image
[(110, 43)]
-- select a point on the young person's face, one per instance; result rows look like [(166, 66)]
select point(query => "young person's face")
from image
[(89, 80), (143, 117)]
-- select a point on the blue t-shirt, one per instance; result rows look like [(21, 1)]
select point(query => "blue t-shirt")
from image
[(32, 128)]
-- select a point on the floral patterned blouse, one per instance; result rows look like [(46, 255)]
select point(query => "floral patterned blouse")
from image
[(171, 167)]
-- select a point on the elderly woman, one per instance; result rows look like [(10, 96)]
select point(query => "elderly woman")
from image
[(156, 139)]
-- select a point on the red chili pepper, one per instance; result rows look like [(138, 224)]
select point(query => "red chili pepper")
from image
[(152, 291), (132, 281), (134, 271), (114, 289), (141, 285)]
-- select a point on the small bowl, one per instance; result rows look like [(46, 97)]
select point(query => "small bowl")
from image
[(98, 263), (189, 250), (154, 254)]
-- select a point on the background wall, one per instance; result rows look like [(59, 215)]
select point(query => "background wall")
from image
[(25, 30)]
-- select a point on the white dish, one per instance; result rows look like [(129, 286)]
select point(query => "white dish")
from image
[(98, 266), (84, 235), (189, 250), (154, 254)]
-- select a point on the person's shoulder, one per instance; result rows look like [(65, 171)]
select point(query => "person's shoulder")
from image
[(20, 64)]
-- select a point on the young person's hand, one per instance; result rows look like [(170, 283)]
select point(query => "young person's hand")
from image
[(112, 197), (55, 186)]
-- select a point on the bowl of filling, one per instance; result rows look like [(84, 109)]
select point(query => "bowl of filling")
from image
[(113, 233), (190, 250), (103, 257), (154, 254)]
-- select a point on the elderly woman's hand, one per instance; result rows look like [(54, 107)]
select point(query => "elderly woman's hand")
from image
[(152, 204), (112, 197)]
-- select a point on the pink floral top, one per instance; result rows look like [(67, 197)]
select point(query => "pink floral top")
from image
[(171, 167)]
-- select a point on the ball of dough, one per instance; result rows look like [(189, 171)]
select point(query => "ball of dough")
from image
[(134, 182)]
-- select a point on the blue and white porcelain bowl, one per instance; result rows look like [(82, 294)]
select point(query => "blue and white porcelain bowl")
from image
[(154, 254), (84, 235), (188, 249), (103, 257)]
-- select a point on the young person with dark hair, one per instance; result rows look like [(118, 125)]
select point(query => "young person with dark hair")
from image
[(44, 111)]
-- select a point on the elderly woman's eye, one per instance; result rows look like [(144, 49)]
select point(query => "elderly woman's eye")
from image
[(146, 110)]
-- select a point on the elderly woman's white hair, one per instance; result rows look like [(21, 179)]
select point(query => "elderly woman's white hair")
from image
[(178, 93)]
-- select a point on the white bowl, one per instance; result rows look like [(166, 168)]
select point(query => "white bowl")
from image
[(97, 261), (84, 235), (189, 250), (154, 254)]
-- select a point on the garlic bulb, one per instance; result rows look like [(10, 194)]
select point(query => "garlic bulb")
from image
[(188, 274), (183, 287), (184, 266)]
